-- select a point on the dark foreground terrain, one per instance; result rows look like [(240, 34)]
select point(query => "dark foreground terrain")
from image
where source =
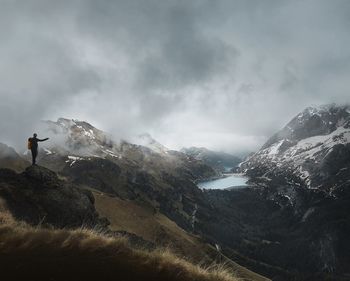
[(52, 229)]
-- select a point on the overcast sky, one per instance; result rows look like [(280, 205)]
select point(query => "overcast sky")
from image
[(221, 74)]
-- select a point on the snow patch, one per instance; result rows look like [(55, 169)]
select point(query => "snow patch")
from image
[(307, 214), (73, 159), (275, 148), (48, 152)]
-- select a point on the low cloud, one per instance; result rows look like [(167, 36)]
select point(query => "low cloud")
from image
[(223, 74)]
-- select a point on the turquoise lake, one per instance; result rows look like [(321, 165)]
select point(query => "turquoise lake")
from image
[(231, 181)]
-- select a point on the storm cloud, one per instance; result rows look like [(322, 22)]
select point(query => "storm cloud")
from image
[(222, 74)]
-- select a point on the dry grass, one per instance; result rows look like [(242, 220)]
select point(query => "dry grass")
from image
[(138, 219), (28, 253), (155, 227)]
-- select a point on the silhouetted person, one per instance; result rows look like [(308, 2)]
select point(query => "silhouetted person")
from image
[(33, 146)]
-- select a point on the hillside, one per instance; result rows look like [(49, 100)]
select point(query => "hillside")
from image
[(125, 215), (86, 255), (39, 196)]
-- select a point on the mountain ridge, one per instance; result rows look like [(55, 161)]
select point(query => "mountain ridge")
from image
[(304, 147)]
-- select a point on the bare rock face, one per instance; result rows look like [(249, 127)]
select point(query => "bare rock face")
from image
[(38, 196), (311, 151)]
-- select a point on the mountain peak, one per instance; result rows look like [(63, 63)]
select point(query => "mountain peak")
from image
[(313, 121), (310, 146), (79, 138)]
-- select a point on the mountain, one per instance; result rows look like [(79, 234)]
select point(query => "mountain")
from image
[(78, 138), (312, 150), (304, 170), (220, 161), (90, 157)]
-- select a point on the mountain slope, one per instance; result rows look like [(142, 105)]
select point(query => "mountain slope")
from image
[(85, 255), (311, 150), (38, 196), (304, 170), (127, 215)]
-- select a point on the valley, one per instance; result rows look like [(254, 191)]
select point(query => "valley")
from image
[(285, 216)]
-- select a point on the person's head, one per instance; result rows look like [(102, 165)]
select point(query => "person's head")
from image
[(34, 135)]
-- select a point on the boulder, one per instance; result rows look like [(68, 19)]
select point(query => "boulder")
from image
[(38, 196)]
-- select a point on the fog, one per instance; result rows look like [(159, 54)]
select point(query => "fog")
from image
[(223, 74)]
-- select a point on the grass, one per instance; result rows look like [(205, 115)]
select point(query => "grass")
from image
[(28, 253), (144, 222)]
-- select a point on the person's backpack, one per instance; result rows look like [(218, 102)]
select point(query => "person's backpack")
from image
[(29, 143)]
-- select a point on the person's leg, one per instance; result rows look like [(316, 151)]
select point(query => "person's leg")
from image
[(34, 154), (33, 161)]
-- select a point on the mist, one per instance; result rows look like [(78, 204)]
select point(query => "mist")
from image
[(220, 74)]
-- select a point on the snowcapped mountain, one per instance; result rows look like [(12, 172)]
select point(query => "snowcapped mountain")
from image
[(163, 179), (73, 141), (312, 150), (78, 138), (304, 169), (82, 139)]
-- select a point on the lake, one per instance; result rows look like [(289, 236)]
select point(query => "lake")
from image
[(232, 180)]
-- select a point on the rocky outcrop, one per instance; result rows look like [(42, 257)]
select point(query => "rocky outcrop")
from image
[(38, 196)]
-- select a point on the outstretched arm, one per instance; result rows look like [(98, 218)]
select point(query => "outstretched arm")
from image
[(43, 139)]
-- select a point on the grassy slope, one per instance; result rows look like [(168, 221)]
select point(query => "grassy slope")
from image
[(157, 228), (28, 253)]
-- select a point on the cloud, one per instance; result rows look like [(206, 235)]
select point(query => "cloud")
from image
[(223, 74)]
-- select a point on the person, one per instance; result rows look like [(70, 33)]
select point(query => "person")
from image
[(33, 146)]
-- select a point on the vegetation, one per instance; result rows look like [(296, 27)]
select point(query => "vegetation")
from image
[(28, 253)]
